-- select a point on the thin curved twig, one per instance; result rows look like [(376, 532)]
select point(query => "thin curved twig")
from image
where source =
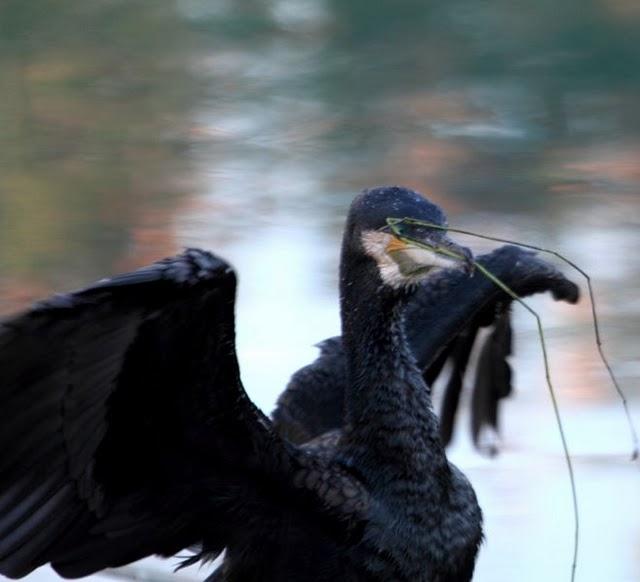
[(394, 224), (635, 442)]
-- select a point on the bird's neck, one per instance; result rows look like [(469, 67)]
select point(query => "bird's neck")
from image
[(392, 433)]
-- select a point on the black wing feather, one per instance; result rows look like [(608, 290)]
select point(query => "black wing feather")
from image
[(493, 380), (459, 353), (125, 417)]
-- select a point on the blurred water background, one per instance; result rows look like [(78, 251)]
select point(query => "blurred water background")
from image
[(132, 128)]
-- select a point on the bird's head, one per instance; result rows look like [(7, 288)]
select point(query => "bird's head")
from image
[(407, 253)]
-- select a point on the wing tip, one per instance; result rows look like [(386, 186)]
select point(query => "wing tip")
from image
[(190, 267)]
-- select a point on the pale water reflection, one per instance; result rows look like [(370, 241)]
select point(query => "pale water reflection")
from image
[(246, 128)]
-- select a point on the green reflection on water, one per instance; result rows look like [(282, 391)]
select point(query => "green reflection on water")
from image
[(112, 111), (95, 98)]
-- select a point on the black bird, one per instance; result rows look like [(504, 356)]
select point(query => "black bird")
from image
[(442, 320), (126, 431)]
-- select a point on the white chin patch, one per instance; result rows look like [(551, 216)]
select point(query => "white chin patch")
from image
[(401, 266)]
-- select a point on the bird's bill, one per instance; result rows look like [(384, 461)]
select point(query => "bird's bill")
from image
[(413, 256), (406, 260)]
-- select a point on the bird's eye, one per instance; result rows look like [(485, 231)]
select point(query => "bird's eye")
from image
[(397, 228)]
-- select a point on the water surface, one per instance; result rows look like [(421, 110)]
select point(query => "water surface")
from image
[(133, 129)]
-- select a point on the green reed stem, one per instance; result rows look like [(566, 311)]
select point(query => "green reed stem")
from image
[(635, 452), (556, 411), (393, 224)]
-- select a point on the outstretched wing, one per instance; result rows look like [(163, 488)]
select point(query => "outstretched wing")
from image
[(467, 306), (125, 428), (442, 322)]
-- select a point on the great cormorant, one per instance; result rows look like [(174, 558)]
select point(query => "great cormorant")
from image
[(442, 320), (127, 432)]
